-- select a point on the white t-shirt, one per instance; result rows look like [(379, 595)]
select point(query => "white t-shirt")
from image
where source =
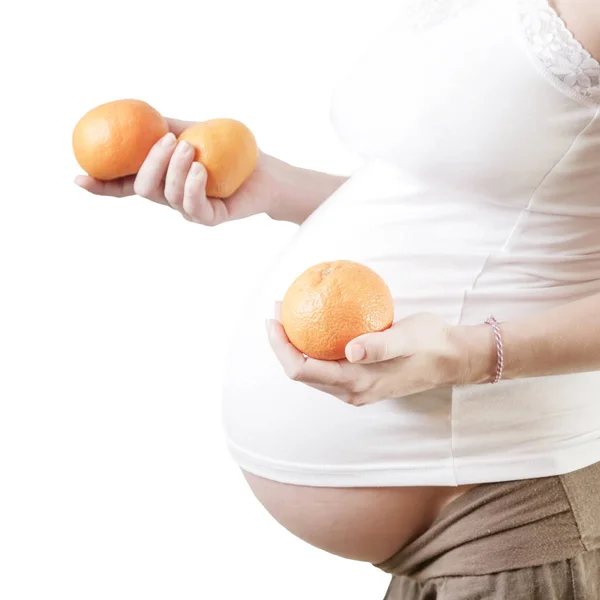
[(479, 124)]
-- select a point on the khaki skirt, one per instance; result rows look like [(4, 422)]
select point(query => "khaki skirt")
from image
[(536, 539)]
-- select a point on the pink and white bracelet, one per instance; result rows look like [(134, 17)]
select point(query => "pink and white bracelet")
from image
[(498, 336)]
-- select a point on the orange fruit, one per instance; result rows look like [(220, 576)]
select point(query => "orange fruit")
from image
[(228, 151), (332, 303), (113, 139)]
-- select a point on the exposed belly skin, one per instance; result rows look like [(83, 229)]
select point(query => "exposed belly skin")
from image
[(364, 524)]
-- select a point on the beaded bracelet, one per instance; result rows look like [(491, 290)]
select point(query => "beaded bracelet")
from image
[(498, 336)]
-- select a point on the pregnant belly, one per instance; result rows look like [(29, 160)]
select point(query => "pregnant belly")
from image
[(339, 477), (365, 524), (359, 483), (356, 482)]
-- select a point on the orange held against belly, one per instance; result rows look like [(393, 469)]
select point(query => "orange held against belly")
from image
[(113, 139), (330, 304), (228, 150)]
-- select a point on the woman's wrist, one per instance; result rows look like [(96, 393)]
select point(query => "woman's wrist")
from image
[(477, 354), (559, 341), (297, 192)]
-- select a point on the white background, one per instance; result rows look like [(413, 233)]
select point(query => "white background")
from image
[(115, 481)]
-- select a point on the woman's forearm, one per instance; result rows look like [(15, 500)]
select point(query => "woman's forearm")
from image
[(298, 192), (294, 192), (562, 340)]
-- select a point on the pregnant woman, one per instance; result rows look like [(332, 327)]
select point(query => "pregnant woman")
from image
[(471, 468)]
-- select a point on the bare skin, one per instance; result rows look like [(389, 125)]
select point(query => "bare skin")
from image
[(582, 17), (171, 177), (366, 524), (372, 524)]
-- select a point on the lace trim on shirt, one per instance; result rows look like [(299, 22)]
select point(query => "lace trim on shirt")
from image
[(560, 53), (423, 14)]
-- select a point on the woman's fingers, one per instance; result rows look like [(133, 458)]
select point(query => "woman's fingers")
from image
[(379, 347), (118, 188), (194, 194), (149, 182), (277, 310), (207, 211), (170, 176), (351, 383), (177, 126), (177, 172), (309, 370), (245, 202), (290, 357)]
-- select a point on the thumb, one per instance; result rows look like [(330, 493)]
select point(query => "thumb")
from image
[(119, 188), (378, 347)]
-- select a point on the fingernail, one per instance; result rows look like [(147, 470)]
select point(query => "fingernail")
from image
[(356, 353), (169, 139), (196, 169), (183, 148), (268, 325)]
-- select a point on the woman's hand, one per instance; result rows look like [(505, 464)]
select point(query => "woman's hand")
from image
[(170, 176), (416, 354)]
